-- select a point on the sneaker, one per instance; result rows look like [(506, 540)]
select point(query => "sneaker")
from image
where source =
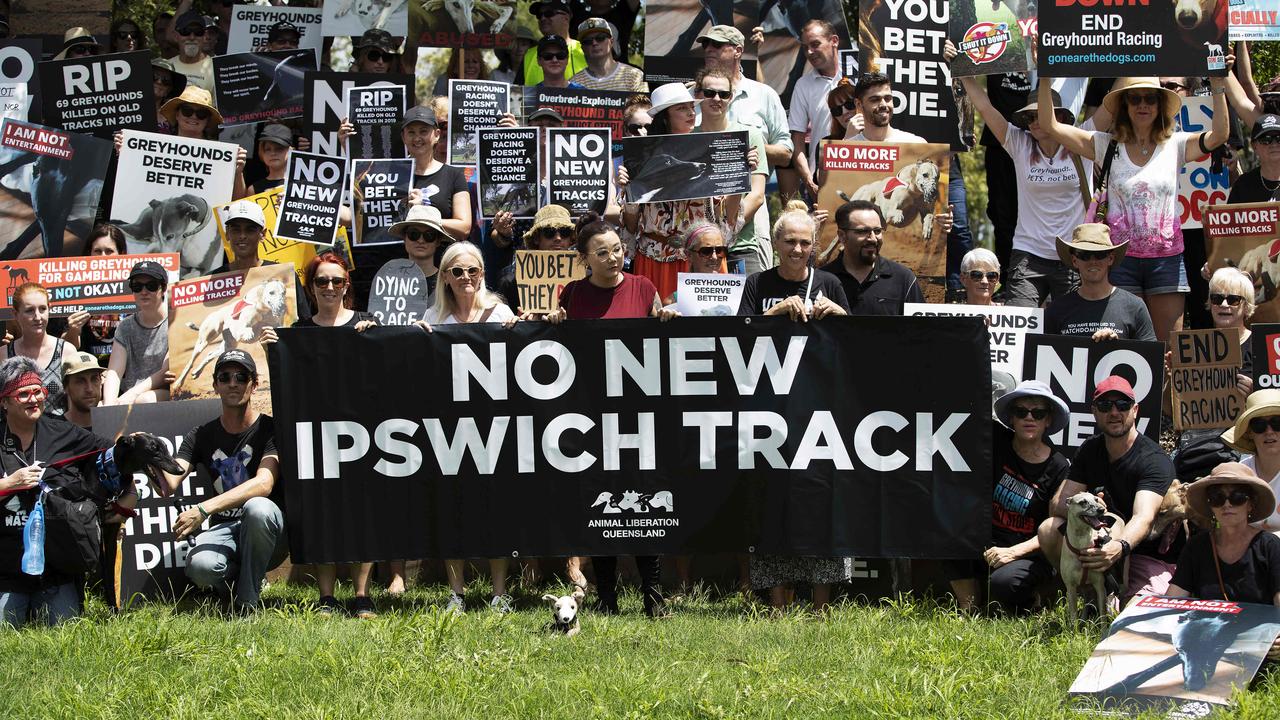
[(501, 604), (455, 605), (328, 605), (362, 607)]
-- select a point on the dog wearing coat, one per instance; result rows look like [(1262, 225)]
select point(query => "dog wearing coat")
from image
[(242, 321), (1086, 528), (902, 198)]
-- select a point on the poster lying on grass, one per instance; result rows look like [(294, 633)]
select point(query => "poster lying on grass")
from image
[(99, 94), (991, 37), (508, 171), (1122, 39), (263, 86), (1247, 236), (686, 167), (473, 104), (96, 284)]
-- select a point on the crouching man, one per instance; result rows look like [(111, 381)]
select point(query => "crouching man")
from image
[(246, 535)]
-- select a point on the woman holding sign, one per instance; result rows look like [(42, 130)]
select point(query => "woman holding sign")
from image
[(1141, 159), (442, 186)]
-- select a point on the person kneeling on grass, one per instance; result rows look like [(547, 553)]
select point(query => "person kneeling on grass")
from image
[(246, 537)]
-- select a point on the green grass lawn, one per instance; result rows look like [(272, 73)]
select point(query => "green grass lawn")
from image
[(716, 657)]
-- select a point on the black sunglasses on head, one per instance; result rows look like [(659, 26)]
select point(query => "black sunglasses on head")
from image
[(1218, 497), (1105, 405), (1259, 425)]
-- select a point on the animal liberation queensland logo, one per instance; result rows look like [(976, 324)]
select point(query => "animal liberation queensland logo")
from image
[(648, 515)]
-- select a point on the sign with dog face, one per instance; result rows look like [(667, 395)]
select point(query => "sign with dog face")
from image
[(1007, 326), (325, 103), (209, 315), (166, 187), (381, 188), (1177, 657), (375, 111), (96, 284), (686, 167), (991, 37), (508, 171), (353, 17), (463, 23), (542, 274), (1079, 38), (473, 104), (251, 24), (99, 94), (1071, 365), (261, 87), (313, 186), (1198, 185), (908, 182), (579, 169), (1203, 367), (53, 182), (1247, 236), (1254, 20), (627, 437)]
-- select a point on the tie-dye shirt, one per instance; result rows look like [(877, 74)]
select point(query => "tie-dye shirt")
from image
[(1143, 200)]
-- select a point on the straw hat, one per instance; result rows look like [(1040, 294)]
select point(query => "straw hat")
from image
[(550, 216), (191, 95), (1058, 411), (1232, 473), (419, 216), (73, 37), (671, 94), (1260, 403), (1090, 236), (1170, 106)]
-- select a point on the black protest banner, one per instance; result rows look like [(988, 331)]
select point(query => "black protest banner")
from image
[(313, 186), (99, 94), (579, 107), (381, 188), (1087, 38), (508, 171), (991, 37), (1203, 369), (375, 111), (470, 24), (19, 60), (56, 201), (150, 563), (1247, 236), (541, 274), (250, 25), (324, 101), (1264, 341), (579, 169), (399, 295), (903, 39), (259, 87), (630, 436), (1071, 365), (473, 104), (684, 167)]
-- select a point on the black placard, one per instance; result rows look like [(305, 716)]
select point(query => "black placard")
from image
[(1265, 343), (508, 171), (99, 94), (313, 187), (688, 166), (259, 87), (1083, 38), (382, 189), (324, 103), (578, 169), (375, 111), (580, 107)]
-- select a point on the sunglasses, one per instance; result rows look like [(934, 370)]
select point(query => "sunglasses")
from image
[(595, 38), (82, 50), (637, 128), (551, 233), (149, 286), (713, 251), (551, 13), (990, 276), (1134, 98), (1121, 404), (1088, 255), (1257, 426), (128, 35), (1267, 140), (713, 94), (196, 112), (553, 57), (240, 376), (1021, 411), (379, 56), (336, 283), (1218, 498), (31, 395), (461, 272), (862, 232), (421, 235), (188, 32), (1219, 298), (848, 105), (713, 44)]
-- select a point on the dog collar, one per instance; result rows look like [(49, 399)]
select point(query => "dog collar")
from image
[(108, 471), (1080, 551)]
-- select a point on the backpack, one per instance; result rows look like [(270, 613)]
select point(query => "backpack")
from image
[(73, 522)]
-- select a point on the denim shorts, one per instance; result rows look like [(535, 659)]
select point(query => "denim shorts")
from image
[(1151, 276)]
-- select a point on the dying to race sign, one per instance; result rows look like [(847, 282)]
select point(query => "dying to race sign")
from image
[(686, 167), (99, 95), (1092, 38), (260, 87), (508, 171), (631, 437), (473, 104), (313, 187), (579, 169)]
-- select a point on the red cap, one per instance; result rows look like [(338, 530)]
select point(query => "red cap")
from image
[(1114, 383)]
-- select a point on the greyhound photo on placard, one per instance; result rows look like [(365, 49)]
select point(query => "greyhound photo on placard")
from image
[(686, 167), (463, 23), (508, 171), (353, 17)]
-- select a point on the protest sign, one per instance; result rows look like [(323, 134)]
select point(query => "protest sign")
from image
[(165, 188), (1007, 326), (1198, 185), (908, 182), (708, 294), (367, 259), (1247, 236), (1176, 657), (14, 102), (375, 111), (1264, 341), (849, 65), (626, 437), (1071, 365), (400, 294), (353, 17), (1203, 369), (1083, 38), (260, 87), (990, 37), (52, 182), (579, 107), (96, 284), (508, 171), (250, 25), (1254, 20), (149, 563), (213, 314), (542, 274), (903, 39), (313, 186), (99, 94), (686, 167), (325, 103), (19, 60), (381, 188), (473, 104), (579, 169), (273, 249), (483, 24)]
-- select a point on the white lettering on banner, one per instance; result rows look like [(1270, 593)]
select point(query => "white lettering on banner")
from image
[(551, 443), (385, 438), (645, 373), (493, 377), (467, 436), (615, 441), (1050, 369)]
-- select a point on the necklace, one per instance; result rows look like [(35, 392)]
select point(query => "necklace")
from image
[(1142, 148), (1266, 184)]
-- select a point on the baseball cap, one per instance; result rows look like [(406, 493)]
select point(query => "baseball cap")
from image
[(80, 362), (537, 8), (594, 25), (282, 27), (278, 134), (236, 357), (546, 112), (151, 269), (1115, 384), (378, 38), (243, 209), (550, 41), (1265, 125), (187, 19), (418, 113), (725, 34)]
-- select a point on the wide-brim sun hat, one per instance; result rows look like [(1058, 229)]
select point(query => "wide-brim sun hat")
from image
[(1091, 237), (670, 95), (1058, 411), (550, 216), (1020, 120), (1170, 104), (419, 216), (191, 95), (1260, 403), (1232, 473)]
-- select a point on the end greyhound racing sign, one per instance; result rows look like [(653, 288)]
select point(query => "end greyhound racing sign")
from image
[(626, 436), (1087, 38)]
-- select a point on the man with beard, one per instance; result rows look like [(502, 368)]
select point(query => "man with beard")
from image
[(873, 284), (191, 59), (1133, 474), (82, 378), (246, 225)]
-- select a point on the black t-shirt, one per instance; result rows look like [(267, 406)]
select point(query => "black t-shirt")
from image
[(1144, 467), (1121, 311), (767, 288), (1254, 578), (232, 459), (1023, 490), (439, 187), (357, 317), (1249, 188), (887, 287)]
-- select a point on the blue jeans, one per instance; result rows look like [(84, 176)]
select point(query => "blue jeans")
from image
[(53, 605), (960, 240), (239, 552)]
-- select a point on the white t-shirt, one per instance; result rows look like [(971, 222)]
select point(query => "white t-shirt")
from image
[(199, 74), (1272, 523), (809, 112), (1049, 202), (895, 136), (1142, 201), (501, 313)]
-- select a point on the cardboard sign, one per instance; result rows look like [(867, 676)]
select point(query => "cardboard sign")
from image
[(166, 187), (313, 186), (909, 184), (325, 103), (1204, 365), (1080, 38), (250, 25), (508, 171), (541, 274), (473, 104), (375, 111), (1176, 657), (260, 87), (273, 249), (96, 284), (991, 37), (353, 17), (1007, 326), (463, 25), (708, 294), (579, 107), (1198, 185), (1247, 236), (1254, 20), (579, 169), (399, 295), (52, 185), (1265, 342), (686, 167), (381, 188), (99, 94)]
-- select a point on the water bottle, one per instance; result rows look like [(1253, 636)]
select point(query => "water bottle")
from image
[(33, 540)]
